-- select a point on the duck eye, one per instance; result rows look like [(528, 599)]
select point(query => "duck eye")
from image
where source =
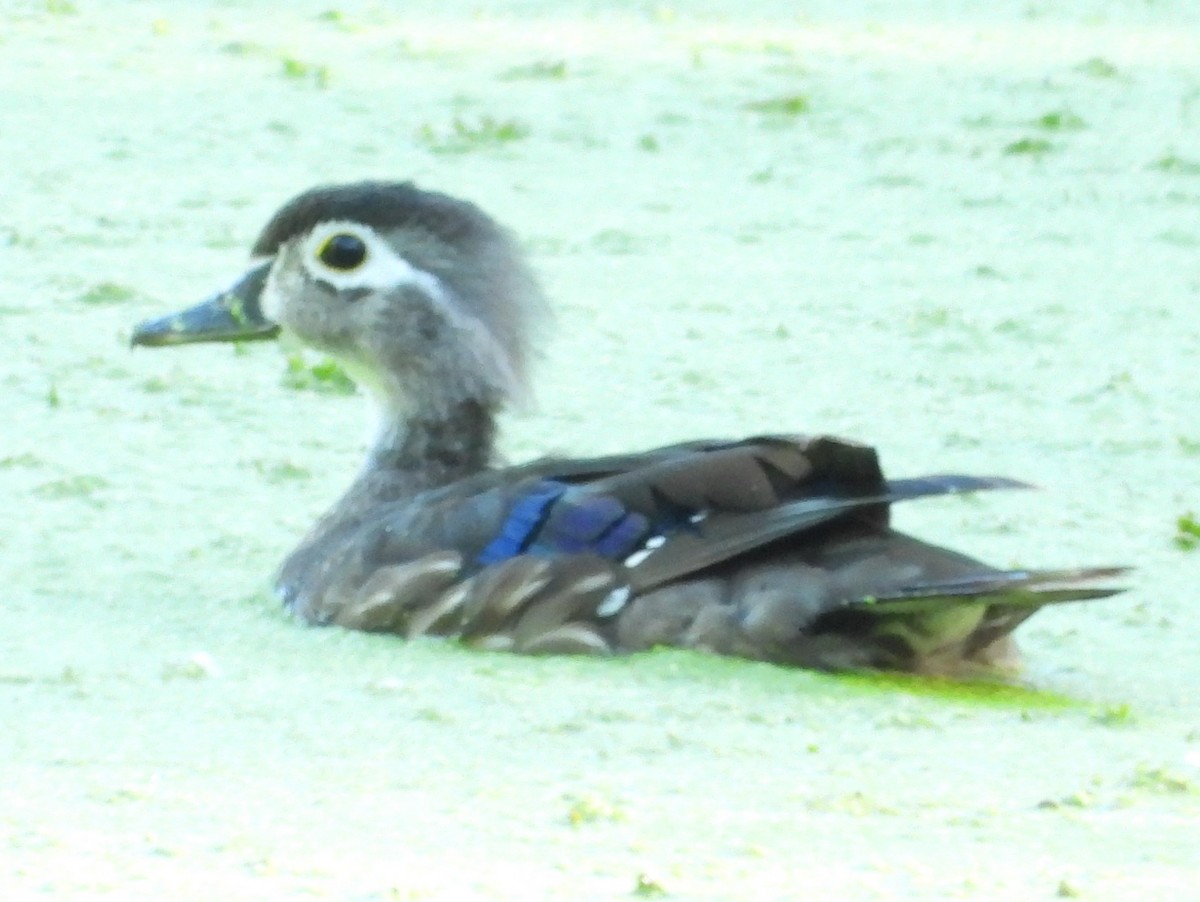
[(343, 252)]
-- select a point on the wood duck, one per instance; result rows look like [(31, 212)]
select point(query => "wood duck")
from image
[(774, 547)]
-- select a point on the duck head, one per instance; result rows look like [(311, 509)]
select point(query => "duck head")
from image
[(423, 298)]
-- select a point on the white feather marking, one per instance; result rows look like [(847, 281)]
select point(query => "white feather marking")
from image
[(382, 269), (591, 583), (270, 300), (613, 602), (652, 544)]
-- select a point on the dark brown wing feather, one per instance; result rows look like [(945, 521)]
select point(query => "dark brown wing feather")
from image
[(774, 548)]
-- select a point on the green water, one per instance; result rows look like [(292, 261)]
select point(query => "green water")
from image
[(970, 240)]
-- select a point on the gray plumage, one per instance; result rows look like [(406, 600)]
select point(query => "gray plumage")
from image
[(774, 548)]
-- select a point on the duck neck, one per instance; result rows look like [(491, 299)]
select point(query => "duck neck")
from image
[(429, 448), (413, 453)]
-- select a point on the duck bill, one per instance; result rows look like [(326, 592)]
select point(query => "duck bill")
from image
[(234, 314)]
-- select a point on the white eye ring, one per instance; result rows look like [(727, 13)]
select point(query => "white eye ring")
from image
[(350, 255)]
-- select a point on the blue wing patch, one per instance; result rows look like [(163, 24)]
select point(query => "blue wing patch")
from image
[(552, 519)]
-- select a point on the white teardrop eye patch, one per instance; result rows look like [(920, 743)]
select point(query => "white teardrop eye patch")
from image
[(343, 252), (352, 257)]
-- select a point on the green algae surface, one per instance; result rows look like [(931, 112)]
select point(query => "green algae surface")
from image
[(967, 238)]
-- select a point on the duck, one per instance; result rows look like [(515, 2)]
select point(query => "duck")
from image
[(772, 547)]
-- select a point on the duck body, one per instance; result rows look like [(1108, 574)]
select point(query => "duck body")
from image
[(774, 548)]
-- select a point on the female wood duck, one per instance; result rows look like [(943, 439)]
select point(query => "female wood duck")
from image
[(775, 548)]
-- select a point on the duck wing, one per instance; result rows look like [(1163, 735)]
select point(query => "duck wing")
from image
[(775, 548)]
